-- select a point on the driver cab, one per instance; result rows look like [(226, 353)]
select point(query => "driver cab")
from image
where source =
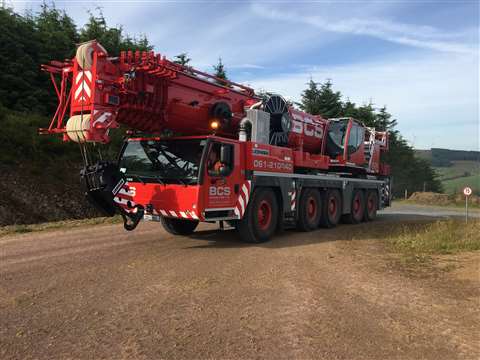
[(222, 178)]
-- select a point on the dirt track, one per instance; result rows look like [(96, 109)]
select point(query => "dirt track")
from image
[(100, 292)]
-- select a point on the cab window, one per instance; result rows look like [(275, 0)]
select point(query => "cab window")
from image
[(220, 160), (356, 138)]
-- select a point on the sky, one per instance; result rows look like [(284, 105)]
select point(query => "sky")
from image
[(419, 58)]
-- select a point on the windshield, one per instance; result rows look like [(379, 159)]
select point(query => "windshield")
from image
[(164, 161)]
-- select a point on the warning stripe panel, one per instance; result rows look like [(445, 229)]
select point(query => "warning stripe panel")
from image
[(187, 214), (293, 200), (243, 199), (83, 86)]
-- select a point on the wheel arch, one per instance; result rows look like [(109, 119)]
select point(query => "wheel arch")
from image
[(281, 187)]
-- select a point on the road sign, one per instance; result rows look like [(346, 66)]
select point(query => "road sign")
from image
[(467, 192)]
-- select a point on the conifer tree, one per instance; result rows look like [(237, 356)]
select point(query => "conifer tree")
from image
[(384, 120), (182, 59), (219, 71), (310, 99)]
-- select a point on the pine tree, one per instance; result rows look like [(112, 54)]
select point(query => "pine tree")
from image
[(182, 59), (321, 101), (329, 101), (111, 38), (349, 109), (310, 99), (220, 71), (384, 120), (366, 114)]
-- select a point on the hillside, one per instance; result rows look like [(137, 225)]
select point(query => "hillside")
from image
[(455, 168)]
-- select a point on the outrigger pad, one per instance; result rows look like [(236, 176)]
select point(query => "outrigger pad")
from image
[(131, 220), (102, 182)]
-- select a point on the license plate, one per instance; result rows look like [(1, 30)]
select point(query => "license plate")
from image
[(150, 217)]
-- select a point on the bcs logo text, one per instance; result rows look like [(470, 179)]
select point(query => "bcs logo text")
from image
[(219, 191)]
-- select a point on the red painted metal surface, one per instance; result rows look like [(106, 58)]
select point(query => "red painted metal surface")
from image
[(308, 131)]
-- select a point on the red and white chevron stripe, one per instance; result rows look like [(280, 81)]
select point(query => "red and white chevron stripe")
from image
[(293, 200), (83, 86), (243, 199), (187, 214)]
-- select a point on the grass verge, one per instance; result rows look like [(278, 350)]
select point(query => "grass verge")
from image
[(20, 229), (440, 237), (443, 200)]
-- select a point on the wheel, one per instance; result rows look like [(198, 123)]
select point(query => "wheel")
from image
[(357, 208), (332, 208), (309, 210), (261, 218), (371, 205), (179, 226)]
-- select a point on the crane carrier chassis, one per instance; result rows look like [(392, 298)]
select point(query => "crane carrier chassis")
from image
[(203, 149)]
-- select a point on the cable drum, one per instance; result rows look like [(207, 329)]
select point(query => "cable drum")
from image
[(84, 54), (78, 127), (280, 120)]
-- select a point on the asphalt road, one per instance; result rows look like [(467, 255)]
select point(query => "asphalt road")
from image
[(100, 292), (430, 211)]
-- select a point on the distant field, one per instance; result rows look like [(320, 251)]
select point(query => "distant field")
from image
[(456, 185), (453, 177)]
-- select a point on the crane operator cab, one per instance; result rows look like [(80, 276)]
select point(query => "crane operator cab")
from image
[(345, 141)]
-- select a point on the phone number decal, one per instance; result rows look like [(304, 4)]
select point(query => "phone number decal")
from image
[(272, 165)]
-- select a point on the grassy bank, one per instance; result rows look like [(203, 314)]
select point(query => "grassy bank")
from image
[(444, 200), (440, 237), (67, 224)]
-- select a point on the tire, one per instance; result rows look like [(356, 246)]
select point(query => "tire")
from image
[(179, 226), (371, 205), (261, 217), (309, 210), (332, 208), (357, 208)]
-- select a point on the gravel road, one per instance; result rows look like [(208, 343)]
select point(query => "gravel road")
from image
[(100, 292)]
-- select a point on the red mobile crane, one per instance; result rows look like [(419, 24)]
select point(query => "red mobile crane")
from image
[(206, 149)]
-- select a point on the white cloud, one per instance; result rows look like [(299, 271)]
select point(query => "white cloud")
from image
[(421, 36), (435, 98)]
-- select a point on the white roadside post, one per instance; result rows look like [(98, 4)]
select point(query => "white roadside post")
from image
[(467, 192)]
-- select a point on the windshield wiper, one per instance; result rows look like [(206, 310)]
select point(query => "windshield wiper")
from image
[(158, 178)]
